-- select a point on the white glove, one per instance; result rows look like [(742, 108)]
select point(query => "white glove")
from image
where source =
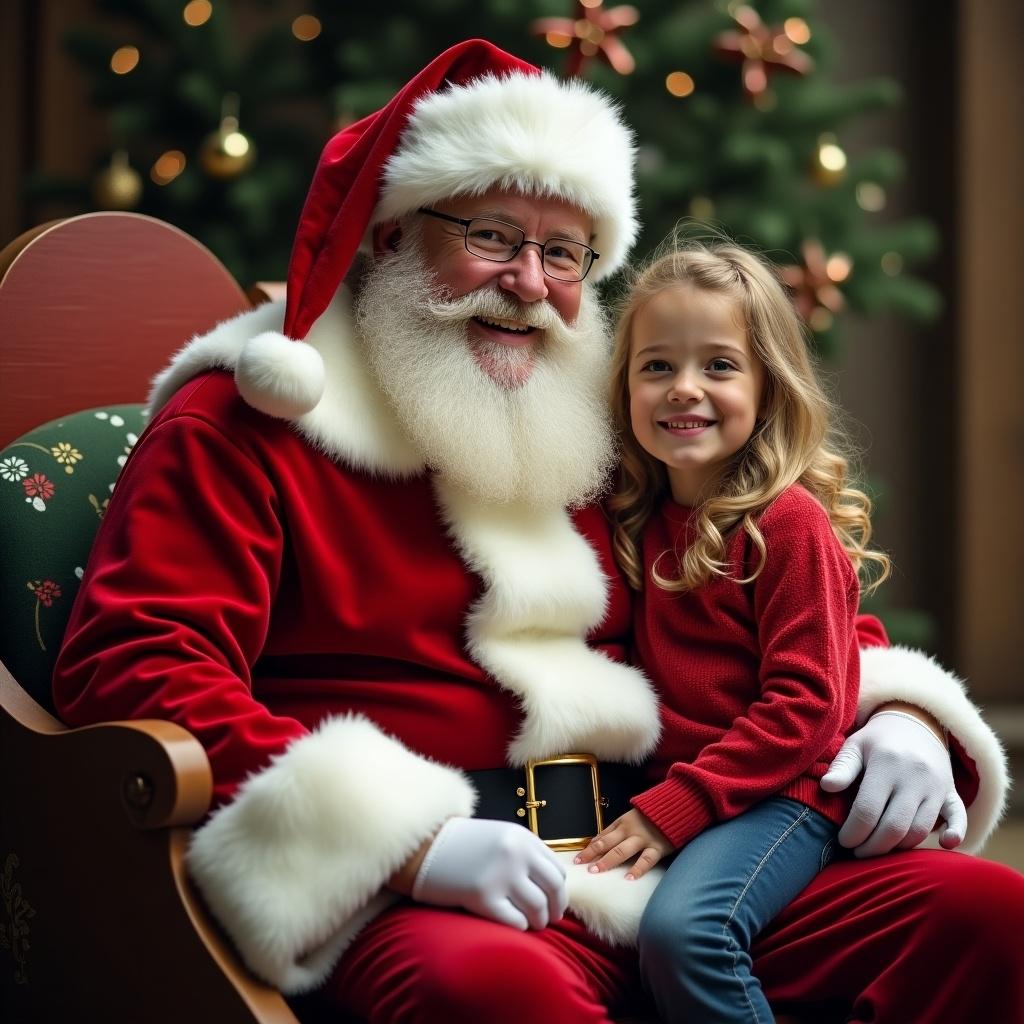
[(907, 785), (497, 870)]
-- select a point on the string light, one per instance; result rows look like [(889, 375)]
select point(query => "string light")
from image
[(892, 263), (197, 12), (830, 156), (797, 30), (828, 166), (167, 167), (838, 267), (558, 40), (306, 28), (871, 197), (124, 59), (679, 83)]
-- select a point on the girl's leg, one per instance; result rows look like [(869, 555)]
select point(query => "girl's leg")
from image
[(426, 965), (926, 936), (720, 891)]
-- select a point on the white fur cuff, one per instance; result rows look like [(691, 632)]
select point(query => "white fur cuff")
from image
[(899, 673), (293, 867), (606, 903)]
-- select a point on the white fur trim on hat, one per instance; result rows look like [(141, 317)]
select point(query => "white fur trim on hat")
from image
[(279, 376), (528, 133)]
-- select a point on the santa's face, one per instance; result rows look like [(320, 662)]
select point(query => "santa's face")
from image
[(506, 352), (505, 428)]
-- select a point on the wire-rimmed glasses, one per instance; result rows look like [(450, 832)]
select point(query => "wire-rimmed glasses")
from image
[(563, 259)]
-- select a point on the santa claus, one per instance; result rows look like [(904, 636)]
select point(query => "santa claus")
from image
[(359, 553)]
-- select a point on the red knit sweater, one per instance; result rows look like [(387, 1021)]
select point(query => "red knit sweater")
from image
[(759, 681)]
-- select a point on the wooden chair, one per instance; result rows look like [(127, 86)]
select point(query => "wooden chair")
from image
[(97, 918)]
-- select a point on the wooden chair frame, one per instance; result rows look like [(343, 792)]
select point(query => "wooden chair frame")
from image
[(97, 919)]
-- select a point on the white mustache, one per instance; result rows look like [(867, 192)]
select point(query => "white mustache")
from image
[(541, 315)]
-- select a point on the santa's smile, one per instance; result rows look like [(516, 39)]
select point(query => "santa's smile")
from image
[(506, 332)]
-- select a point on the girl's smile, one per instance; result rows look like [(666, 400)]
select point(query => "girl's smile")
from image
[(688, 427)]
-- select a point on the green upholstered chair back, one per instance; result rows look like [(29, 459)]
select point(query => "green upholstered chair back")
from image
[(90, 309), (55, 483)]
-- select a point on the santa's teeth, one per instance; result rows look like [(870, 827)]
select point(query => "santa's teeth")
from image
[(507, 325)]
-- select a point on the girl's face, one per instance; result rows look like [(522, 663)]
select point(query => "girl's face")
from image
[(695, 385)]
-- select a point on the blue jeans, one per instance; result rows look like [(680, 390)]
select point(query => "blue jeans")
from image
[(720, 891)]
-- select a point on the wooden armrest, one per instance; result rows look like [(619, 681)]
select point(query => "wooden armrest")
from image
[(152, 773), (94, 824)]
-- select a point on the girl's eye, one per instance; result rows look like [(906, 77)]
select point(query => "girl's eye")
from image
[(720, 366), (656, 366)]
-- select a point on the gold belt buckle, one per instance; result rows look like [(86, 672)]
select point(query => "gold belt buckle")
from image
[(533, 803)]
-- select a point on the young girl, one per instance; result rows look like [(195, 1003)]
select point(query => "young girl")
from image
[(734, 520)]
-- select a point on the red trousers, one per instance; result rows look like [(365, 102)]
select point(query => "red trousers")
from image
[(911, 938)]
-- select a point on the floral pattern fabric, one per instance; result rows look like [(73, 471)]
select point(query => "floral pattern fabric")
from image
[(55, 485)]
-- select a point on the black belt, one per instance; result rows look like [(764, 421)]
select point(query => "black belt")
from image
[(564, 800)]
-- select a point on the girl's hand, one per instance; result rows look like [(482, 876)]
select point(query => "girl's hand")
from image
[(625, 837)]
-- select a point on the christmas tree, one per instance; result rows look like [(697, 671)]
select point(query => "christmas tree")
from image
[(210, 128), (217, 112), (738, 124)]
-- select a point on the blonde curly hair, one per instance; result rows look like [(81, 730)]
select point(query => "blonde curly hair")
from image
[(795, 441)]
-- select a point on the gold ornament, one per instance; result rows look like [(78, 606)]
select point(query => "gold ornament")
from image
[(118, 186), (227, 153), (828, 167)]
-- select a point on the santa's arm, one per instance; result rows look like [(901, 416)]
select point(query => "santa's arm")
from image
[(173, 613), (901, 674)]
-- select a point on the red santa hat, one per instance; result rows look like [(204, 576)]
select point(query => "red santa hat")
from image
[(474, 118)]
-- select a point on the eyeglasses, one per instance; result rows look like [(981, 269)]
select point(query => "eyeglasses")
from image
[(561, 258)]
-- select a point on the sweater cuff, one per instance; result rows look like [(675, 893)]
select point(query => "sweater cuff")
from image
[(294, 866), (679, 809)]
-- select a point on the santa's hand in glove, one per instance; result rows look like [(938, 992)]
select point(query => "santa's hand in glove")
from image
[(907, 786), (495, 869)]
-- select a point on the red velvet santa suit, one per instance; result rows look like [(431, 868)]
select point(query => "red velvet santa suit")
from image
[(343, 628)]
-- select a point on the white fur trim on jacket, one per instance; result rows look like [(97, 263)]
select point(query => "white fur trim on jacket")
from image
[(544, 592), (531, 133), (294, 866), (606, 903), (899, 673), (217, 349), (352, 423)]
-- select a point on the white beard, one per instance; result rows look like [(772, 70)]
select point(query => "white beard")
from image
[(545, 440)]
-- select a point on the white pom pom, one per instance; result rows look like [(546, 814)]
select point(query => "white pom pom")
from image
[(279, 376)]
